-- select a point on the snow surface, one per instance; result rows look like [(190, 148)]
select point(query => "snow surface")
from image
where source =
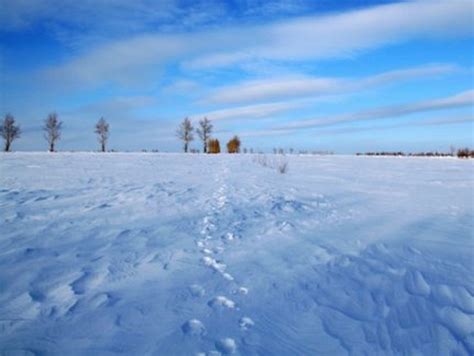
[(172, 254)]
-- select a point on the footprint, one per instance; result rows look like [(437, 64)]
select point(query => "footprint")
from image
[(218, 249), (193, 327), (221, 301), (228, 276), (246, 323), (214, 353), (229, 236), (243, 290), (227, 346), (196, 290), (200, 243), (214, 264)]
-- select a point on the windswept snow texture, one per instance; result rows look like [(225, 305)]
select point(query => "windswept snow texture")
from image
[(166, 254)]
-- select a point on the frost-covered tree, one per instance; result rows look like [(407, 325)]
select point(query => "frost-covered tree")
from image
[(52, 130), (102, 131), (185, 133), (204, 132), (9, 131)]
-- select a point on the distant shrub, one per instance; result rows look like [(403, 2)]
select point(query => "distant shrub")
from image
[(282, 166), (233, 146), (465, 153), (213, 146), (260, 159), (402, 154)]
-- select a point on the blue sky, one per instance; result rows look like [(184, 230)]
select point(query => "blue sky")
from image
[(345, 76)]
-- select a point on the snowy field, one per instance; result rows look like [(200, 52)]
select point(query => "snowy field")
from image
[(169, 254)]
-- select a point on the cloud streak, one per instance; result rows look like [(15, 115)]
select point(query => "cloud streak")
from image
[(250, 111), (464, 99), (345, 34), (421, 123), (309, 38), (290, 87)]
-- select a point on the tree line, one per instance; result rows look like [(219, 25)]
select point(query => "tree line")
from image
[(52, 129), (460, 153), (185, 133)]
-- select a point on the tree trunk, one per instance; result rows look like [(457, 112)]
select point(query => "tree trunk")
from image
[(205, 147), (186, 147), (7, 146), (103, 147), (51, 147)]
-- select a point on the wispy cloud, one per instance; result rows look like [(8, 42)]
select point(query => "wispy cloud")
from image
[(250, 111), (348, 33), (79, 24), (184, 87), (329, 131), (418, 123), (463, 99), (300, 39), (121, 106), (290, 87)]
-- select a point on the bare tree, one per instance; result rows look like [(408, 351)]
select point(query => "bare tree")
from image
[(52, 130), (102, 130), (204, 132), (185, 133), (9, 131)]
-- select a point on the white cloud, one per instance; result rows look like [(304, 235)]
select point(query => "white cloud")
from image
[(249, 112), (105, 16), (271, 89), (300, 39), (117, 106), (183, 86), (418, 123), (345, 34), (463, 99), (290, 87), (324, 125)]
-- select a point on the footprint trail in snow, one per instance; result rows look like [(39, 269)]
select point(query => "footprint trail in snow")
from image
[(212, 241)]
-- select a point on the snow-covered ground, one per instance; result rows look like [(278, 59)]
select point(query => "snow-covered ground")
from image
[(190, 254)]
